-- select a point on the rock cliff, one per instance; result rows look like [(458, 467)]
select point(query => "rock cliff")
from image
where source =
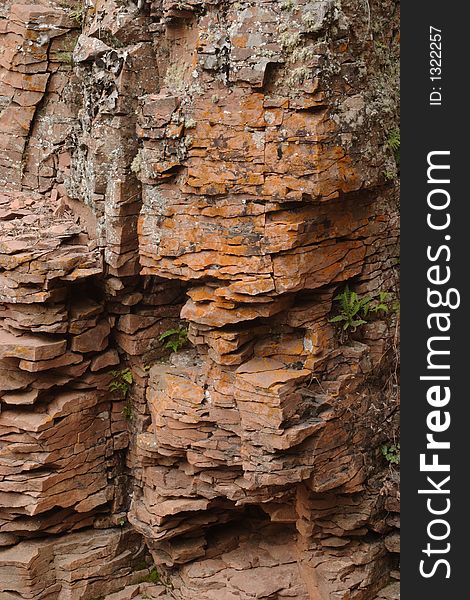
[(198, 300)]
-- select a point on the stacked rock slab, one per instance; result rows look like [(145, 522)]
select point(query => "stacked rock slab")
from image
[(62, 433), (222, 168), (37, 94), (261, 190)]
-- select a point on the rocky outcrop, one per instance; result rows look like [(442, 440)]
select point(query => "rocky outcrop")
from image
[(191, 188)]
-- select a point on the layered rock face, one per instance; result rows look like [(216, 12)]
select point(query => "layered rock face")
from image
[(191, 192)]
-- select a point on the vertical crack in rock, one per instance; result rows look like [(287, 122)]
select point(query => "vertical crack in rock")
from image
[(189, 188)]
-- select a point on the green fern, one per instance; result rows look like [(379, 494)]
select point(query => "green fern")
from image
[(351, 308), (175, 338), (393, 142), (391, 452), (380, 305), (122, 382), (128, 412)]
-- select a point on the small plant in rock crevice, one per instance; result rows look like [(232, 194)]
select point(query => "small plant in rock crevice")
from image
[(78, 15), (351, 308), (76, 10), (128, 412), (153, 576), (391, 452), (396, 307), (378, 305), (389, 175), (174, 339), (353, 311), (122, 381), (393, 142), (156, 577)]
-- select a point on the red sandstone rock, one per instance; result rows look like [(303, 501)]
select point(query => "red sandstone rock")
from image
[(28, 347), (88, 48), (92, 340), (172, 160)]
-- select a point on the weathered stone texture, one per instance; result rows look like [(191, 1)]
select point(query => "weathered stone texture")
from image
[(221, 167)]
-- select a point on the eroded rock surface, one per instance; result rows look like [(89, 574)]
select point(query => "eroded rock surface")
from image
[(216, 173)]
